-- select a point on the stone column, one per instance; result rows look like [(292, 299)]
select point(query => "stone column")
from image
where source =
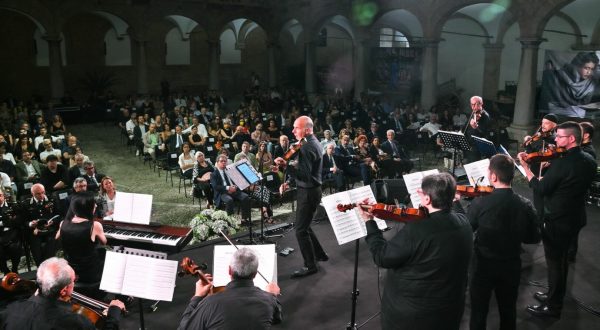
[(526, 86), (57, 86), (430, 71), (142, 68), (309, 73), (271, 47), (360, 50), (214, 47), (491, 70)]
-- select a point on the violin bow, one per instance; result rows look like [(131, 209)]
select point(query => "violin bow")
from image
[(237, 248)]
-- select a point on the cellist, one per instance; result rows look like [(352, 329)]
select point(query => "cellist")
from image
[(49, 307)]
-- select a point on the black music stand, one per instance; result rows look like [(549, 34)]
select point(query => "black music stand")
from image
[(252, 179), (456, 141), (486, 147)]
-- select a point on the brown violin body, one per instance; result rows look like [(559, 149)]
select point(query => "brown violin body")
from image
[(293, 150), (189, 267), (545, 155), (469, 191), (389, 212)]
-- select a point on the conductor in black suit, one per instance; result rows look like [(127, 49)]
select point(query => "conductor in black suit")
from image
[(306, 170), (226, 192)]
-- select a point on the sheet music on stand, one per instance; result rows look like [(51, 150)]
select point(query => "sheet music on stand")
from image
[(477, 172), (486, 147), (455, 140), (139, 273), (242, 174)]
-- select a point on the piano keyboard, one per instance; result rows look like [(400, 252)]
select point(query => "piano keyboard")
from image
[(130, 235), (149, 237)]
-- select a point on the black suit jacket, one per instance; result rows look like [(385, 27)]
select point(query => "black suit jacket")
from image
[(172, 142), (137, 133), (344, 156), (387, 148), (91, 185), (218, 186)]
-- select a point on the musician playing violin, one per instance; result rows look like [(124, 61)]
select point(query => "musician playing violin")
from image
[(49, 307), (240, 306), (478, 125), (427, 261), (501, 221), (564, 189)]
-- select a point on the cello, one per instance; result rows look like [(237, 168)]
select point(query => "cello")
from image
[(95, 311), (389, 212)]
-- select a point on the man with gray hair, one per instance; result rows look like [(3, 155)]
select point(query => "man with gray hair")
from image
[(49, 307), (91, 176), (241, 306)]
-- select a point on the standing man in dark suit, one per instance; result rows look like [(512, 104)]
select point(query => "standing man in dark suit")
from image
[(478, 125), (306, 170), (427, 262), (564, 188), (226, 192), (398, 162), (501, 221)]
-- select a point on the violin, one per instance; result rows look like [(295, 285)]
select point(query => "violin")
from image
[(189, 267), (389, 212), (536, 137), (293, 149), (470, 191), (545, 155)]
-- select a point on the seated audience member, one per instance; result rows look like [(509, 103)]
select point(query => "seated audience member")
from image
[(49, 150), (64, 208), (151, 141), (39, 217), (92, 177), (76, 170), (57, 127), (69, 149), (240, 136), (246, 152), (282, 147), (139, 131), (264, 158), (350, 162), (38, 141), (201, 175), (225, 191), (130, 125), (6, 166), (28, 170), (432, 127), (327, 139), (78, 151), (24, 145), (398, 162), (259, 135), (195, 140), (241, 306), (7, 155), (186, 161), (176, 141), (10, 236), (330, 169), (49, 307), (54, 175), (106, 198)]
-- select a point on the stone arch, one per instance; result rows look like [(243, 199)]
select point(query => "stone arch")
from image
[(402, 20)]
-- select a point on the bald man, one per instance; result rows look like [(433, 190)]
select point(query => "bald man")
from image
[(306, 171)]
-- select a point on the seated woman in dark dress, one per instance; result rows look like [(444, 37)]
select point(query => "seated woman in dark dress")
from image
[(201, 175), (81, 237)]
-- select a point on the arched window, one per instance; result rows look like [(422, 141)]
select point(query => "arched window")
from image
[(177, 49), (389, 37), (117, 50), (229, 53)]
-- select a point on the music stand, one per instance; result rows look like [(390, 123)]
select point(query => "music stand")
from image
[(243, 175), (486, 147), (456, 141)]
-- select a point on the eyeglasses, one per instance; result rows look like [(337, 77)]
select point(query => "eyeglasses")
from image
[(89, 168)]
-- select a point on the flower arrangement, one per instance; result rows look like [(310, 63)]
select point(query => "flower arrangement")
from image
[(206, 225)]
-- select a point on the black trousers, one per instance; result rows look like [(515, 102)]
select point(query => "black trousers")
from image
[(42, 247), (308, 200), (10, 251), (557, 238), (502, 278)]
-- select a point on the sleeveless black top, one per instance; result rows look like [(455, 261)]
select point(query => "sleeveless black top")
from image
[(80, 251)]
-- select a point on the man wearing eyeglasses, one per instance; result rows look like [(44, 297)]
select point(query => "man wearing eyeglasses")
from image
[(564, 187), (91, 176)]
